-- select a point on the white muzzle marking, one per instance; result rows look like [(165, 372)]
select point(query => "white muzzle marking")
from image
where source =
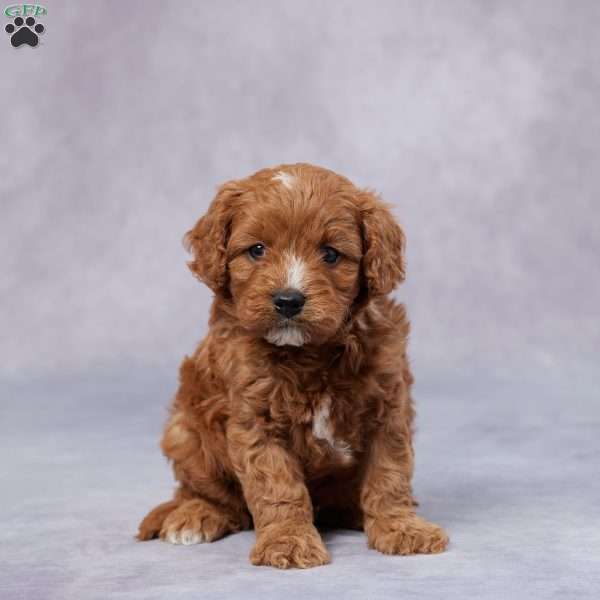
[(286, 335), (290, 334)]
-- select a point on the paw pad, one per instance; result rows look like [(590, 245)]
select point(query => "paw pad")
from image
[(24, 31)]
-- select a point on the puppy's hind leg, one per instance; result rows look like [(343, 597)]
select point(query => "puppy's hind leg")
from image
[(191, 519), (152, 523), (209, 503), (199, 520)]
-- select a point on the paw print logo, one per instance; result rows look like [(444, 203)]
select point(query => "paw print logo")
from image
[(24, 32)]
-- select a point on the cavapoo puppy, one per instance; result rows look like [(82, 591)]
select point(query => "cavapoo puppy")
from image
[(296, 407)]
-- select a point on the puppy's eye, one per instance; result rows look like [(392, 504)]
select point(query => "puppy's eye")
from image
[(330, 255), (257, 251)]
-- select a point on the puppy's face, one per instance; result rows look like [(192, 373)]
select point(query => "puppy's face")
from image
[(294, 260), (291, 250)]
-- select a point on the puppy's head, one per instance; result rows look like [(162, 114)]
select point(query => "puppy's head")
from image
[(292, 251)]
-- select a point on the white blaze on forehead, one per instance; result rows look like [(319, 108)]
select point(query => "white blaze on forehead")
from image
[(286, 335), (323, 430), (295, 272), (286, 179)]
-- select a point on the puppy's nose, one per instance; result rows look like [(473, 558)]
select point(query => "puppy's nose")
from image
[(288, 302)]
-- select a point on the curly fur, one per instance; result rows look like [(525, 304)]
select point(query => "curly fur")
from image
[(280, 431)]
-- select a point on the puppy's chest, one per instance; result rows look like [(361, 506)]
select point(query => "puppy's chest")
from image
[(327, 433)]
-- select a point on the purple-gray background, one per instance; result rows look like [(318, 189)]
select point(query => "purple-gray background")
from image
[(479, 121)]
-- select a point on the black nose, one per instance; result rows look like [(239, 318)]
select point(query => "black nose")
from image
[(288, 302)]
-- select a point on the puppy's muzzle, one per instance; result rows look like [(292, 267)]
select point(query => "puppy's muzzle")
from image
[(288, 303)]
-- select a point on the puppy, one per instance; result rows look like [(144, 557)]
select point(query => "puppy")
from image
[(295, 409)]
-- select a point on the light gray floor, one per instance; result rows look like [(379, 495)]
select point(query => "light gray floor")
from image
[(510, 471)]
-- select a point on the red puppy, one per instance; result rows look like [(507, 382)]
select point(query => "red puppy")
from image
[(296, 407)]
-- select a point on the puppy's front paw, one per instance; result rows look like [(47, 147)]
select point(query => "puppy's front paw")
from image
[(408, 535), (288, 545)]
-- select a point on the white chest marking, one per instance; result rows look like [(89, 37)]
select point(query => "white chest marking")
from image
[(285, 179), (323, 430)]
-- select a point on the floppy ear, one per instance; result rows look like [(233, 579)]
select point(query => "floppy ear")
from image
[(207, 241), (383, 240)]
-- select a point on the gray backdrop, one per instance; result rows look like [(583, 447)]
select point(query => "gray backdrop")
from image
[(478, 120)]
